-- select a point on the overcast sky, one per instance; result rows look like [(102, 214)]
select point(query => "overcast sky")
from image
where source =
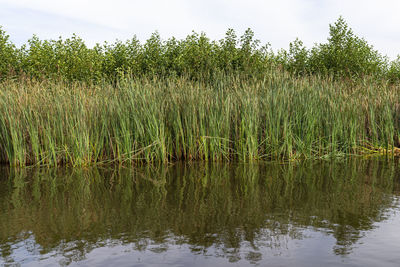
[(277, 22)]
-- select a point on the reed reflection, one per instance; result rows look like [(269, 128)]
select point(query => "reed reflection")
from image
[(218, 210)]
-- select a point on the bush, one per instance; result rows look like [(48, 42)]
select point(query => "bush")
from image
[(346, 55), (394, 70), (296, 59), (69, 59), (8, 56), (343, 56)]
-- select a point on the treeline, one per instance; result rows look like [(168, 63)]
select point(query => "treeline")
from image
[(344, 55)]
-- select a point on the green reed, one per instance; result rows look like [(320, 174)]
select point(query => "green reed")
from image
[(278, 117)]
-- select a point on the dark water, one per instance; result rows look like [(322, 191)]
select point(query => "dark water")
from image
[(306, 214)]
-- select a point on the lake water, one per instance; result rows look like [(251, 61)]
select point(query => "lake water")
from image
[(344, 213)]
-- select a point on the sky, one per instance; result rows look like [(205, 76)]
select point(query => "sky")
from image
[(277, 22)]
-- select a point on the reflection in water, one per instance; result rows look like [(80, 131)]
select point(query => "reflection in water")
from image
[(215, 210)]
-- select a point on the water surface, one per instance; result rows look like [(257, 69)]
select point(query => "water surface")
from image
[(305, 214)]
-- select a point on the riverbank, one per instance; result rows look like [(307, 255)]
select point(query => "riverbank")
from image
[(230, 118)]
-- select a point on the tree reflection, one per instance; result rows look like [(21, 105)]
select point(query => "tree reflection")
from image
[(232, 211)]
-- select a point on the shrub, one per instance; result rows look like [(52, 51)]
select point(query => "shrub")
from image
[(8, 56), (345, 54), (394, 70)]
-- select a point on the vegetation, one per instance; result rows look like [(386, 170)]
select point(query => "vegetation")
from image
[(167, 119), (344, 56), (195, 99)]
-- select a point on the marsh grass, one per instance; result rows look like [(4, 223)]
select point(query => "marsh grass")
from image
[(278, 117)]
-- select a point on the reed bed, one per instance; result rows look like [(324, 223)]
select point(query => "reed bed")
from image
[(277, 117)]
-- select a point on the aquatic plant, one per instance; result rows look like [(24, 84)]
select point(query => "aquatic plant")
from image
[(166, 119)]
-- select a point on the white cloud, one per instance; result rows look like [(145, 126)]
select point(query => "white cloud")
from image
[(277, 22)]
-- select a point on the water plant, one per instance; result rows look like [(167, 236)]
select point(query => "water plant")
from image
[(167, 119)]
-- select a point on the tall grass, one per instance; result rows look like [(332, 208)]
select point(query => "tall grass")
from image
[(278, 117)]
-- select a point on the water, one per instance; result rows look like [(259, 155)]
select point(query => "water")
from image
[(304, 214)]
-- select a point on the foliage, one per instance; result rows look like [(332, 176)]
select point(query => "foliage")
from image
[(65, 103), (344, 56), (175, 118), (8, 56), (394, 70), (296, 59), (68, 59), (196, 56)]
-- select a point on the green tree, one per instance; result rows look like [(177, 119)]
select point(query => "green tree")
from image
[(8, 55), (345, 54)]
